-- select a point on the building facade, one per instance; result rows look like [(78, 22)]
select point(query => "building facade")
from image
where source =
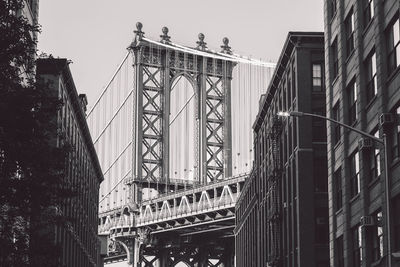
[(362, 77), (282, 213), (31, 12), (79, 242)]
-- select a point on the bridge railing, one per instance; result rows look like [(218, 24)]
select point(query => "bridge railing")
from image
[(172, 212), (197, 186), (205, 199)]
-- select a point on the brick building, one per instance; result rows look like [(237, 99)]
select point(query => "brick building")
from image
[(282, 213), (362, 78), (79, 242)]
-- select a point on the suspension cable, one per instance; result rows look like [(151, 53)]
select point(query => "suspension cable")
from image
[(212, 54), (180, 111), (108, 84)]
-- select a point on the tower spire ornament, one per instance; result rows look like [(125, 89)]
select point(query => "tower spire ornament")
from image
[(201, 45), (139, 33), (164, 37), (225, 47)]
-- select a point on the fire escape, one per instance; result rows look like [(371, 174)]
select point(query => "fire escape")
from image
[(274, 193)]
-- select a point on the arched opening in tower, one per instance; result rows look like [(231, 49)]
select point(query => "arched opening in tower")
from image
[(183, 130)]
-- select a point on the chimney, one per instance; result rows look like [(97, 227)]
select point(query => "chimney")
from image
[(84, 102)]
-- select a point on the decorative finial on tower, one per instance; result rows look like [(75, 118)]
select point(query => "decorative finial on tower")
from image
[(225, 47), (201, 45), (139, 32), (164, 37)]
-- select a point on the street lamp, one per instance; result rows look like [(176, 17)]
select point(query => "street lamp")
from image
[(382, 141)]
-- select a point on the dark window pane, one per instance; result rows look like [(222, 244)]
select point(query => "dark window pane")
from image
[(335, 59), (354, 174), (352, 99), (356, 246), (393, 41), (336, 127), (349, 30), (371, 80), (368, 11), (338, 195)]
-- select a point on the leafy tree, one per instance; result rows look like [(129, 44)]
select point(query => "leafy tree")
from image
[(32, 161)]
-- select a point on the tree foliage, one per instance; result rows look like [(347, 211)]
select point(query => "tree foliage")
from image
[(32, 161)]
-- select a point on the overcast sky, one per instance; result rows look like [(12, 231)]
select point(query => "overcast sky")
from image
[(94, 34)]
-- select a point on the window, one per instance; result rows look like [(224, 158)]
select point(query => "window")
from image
[(352, 98), (393, 48), (375, 160), (293, 80), (317, 77), (376, 237), (336, 127), (335, 59), (356, 238), (289, 91), (354, 174), (396, 223), (333, 7), (371, 81), (294, 133), (339, 251), (368, 11), (349, 30), (338, 193), (396, 138)]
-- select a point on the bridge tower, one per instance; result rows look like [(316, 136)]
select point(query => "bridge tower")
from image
[(157, 66)]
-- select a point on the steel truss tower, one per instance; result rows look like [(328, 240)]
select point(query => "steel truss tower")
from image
[(156, 67)]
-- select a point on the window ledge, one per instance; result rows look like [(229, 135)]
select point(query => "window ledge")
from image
[(376, 263), (395, 162), (350, 56), (370, 103), (353, 124), (354, 199), (393, 74), (368, 26), (334, 80), (337, 144), (339, 211), (374, 181), (333, 17)]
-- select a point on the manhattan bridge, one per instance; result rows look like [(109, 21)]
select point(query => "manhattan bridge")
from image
[(173, 132)]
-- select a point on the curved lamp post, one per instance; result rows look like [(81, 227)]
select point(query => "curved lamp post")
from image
[(382, 141)]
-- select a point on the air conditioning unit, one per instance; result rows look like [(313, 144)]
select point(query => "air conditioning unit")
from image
[(379, 221), (367, 221), (386, 119), (365, 143)]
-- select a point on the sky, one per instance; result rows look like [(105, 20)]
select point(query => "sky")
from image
[(94, 34)]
